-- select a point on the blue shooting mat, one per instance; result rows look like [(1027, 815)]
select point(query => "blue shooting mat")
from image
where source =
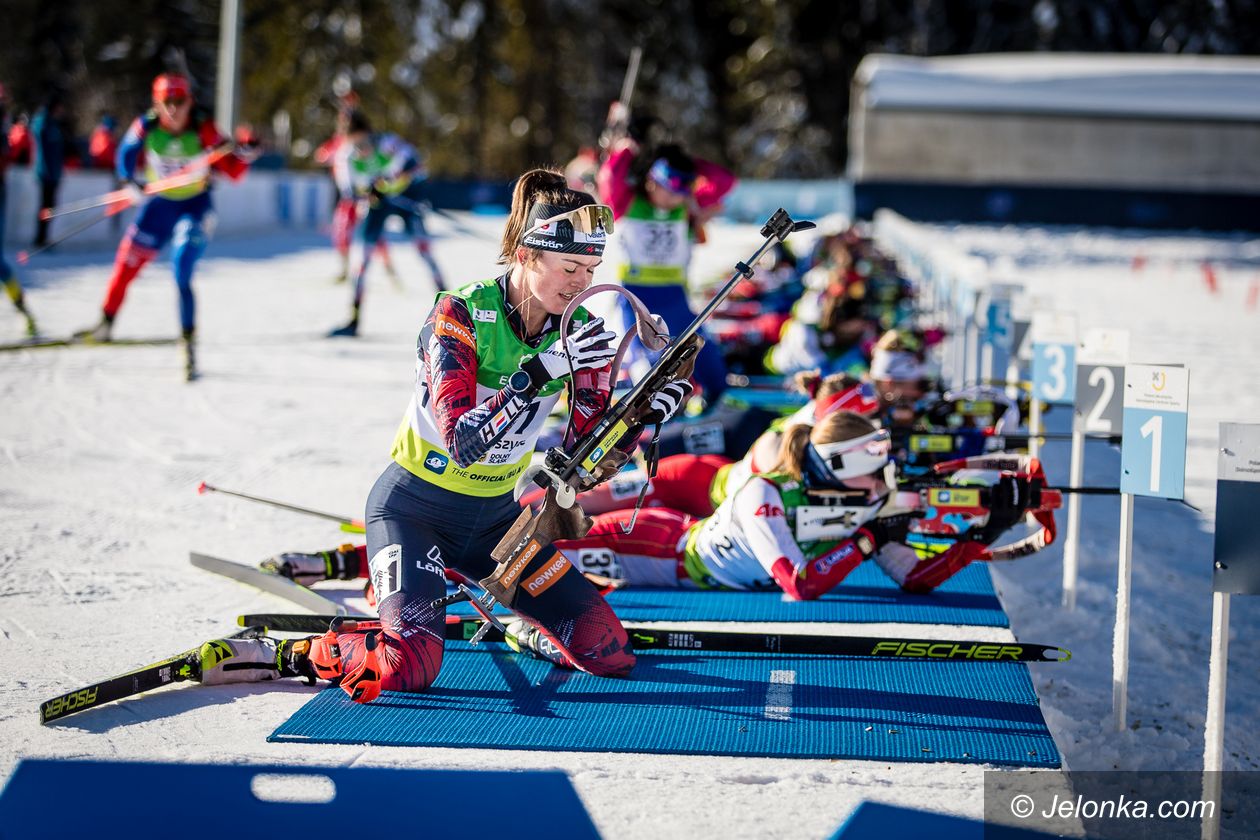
[(866, 596), (877, 821), (680, 702), (113, 798)]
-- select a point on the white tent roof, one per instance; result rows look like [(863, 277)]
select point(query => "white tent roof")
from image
[(1158, 86)]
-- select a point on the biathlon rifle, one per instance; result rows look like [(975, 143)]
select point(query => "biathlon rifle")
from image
[(600, 453), (618, 122)]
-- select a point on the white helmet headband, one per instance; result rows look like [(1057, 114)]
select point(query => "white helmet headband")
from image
[(860, 456)]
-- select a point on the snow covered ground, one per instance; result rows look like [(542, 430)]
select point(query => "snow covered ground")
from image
[(101, 449)]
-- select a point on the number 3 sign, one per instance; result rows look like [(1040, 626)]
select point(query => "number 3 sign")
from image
[(1153, 455), (1054, 357)]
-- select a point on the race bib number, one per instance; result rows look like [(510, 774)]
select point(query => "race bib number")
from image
[(599, 561), (386, 577)]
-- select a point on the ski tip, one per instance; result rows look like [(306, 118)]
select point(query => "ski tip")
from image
[(1056, 654), (202, 488), (45, 214), (23, 257)]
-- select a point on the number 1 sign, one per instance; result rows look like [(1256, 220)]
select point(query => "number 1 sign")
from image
[(1152, 463), (1153, 454)]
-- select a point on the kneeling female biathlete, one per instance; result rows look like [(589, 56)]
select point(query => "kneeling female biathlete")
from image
[(491, 362)]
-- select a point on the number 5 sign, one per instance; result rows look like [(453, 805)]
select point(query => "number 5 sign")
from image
[(1054, 357), (1153, 454)]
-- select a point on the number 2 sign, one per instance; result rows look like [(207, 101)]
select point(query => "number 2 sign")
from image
[(1100, 379), (1153, 454)]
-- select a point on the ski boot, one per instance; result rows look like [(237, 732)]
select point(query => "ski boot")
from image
[(342, 563), (190, 356), (14, 290), (350, 330), (263, 658), (223, 661), (363, 683), (523, 637), (99, 334)]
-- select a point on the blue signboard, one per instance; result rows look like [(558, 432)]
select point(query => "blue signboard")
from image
[(1054, 357), (1153, 454), (997, 323), (1054, 373)]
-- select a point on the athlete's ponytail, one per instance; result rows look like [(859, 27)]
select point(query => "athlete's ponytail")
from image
[(814, 385), (792, 451), (537, 185), (807, 382), (836, 383), (842, 425)]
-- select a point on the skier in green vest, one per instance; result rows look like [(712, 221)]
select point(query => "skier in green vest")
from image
[(174, 137), (491, 363), (386, 173)]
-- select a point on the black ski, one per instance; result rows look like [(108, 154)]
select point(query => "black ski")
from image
[(882, 647), (170, 670), (647, 637)]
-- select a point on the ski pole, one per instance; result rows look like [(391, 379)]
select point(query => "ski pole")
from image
[(23, 257), (122, 196), (84, 204), (418, 207), (459, 226), (181, 177), (347, 523)]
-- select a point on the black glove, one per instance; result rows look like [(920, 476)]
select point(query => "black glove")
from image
[(666, 402), (1009, 500), (890, 529)]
